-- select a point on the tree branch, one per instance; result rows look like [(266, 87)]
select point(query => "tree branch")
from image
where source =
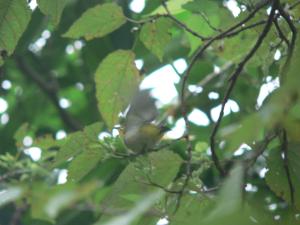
[(13, 173), (258, 149), (15, 220), (284, 148), (49, 90), (182, 25), (280, 33), (293, 29), (233, 80), (243, 28)]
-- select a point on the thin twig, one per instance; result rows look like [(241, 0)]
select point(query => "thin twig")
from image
[(280, 33), (243, 28), (258, 149), (15, 220), (284, 148), (13, 173), (209, 77), (49, 90), (146, 20), (182, 25), (209, 23), (293, 29), (151, 183)]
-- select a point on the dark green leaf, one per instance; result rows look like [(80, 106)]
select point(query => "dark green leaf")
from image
[(14, 18)]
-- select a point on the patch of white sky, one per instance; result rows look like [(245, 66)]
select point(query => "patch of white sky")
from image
[(34, 152), (38, 45), (61, 134), (137, 6), (62, 176), (64, 103), (32, 5), (232, 5), (268, 87), (163, 221), (3, 105)]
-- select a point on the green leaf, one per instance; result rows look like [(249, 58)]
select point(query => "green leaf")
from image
[(9, 195), (224, 209), (72, 147), (78, 142), (84, 163), (276, 176), (230, 197), (247, 131), (46, 142), (205, 6), (14, 18), (192, 208), (53, 8), (47, 206), (156, 36), (227, 48), (175, 7), (161, 168), (97, 22), (117, 80), (140, 208)]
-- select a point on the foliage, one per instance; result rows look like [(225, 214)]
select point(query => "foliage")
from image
[(68, 75)]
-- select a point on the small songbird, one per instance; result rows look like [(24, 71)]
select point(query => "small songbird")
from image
[(141, 131)]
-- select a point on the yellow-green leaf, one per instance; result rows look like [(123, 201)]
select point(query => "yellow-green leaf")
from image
[(117, 80), (14, 18), (161, 168), (276, 176), (175, 7), (84, 163), (97, 22), (53, 8), (78, 142), (156, 36)]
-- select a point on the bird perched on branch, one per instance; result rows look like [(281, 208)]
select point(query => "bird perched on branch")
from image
[(141, 130)]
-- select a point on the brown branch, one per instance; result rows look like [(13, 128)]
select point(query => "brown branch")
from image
[(209, 23), (233, 80), (209, 77), (170, 16), (258, 149), (49, 90), (245, 28), (15, 220), (152, 183), (293, 29), (284, 148), (280, 33)]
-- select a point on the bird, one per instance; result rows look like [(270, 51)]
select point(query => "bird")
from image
[(141, 130)]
